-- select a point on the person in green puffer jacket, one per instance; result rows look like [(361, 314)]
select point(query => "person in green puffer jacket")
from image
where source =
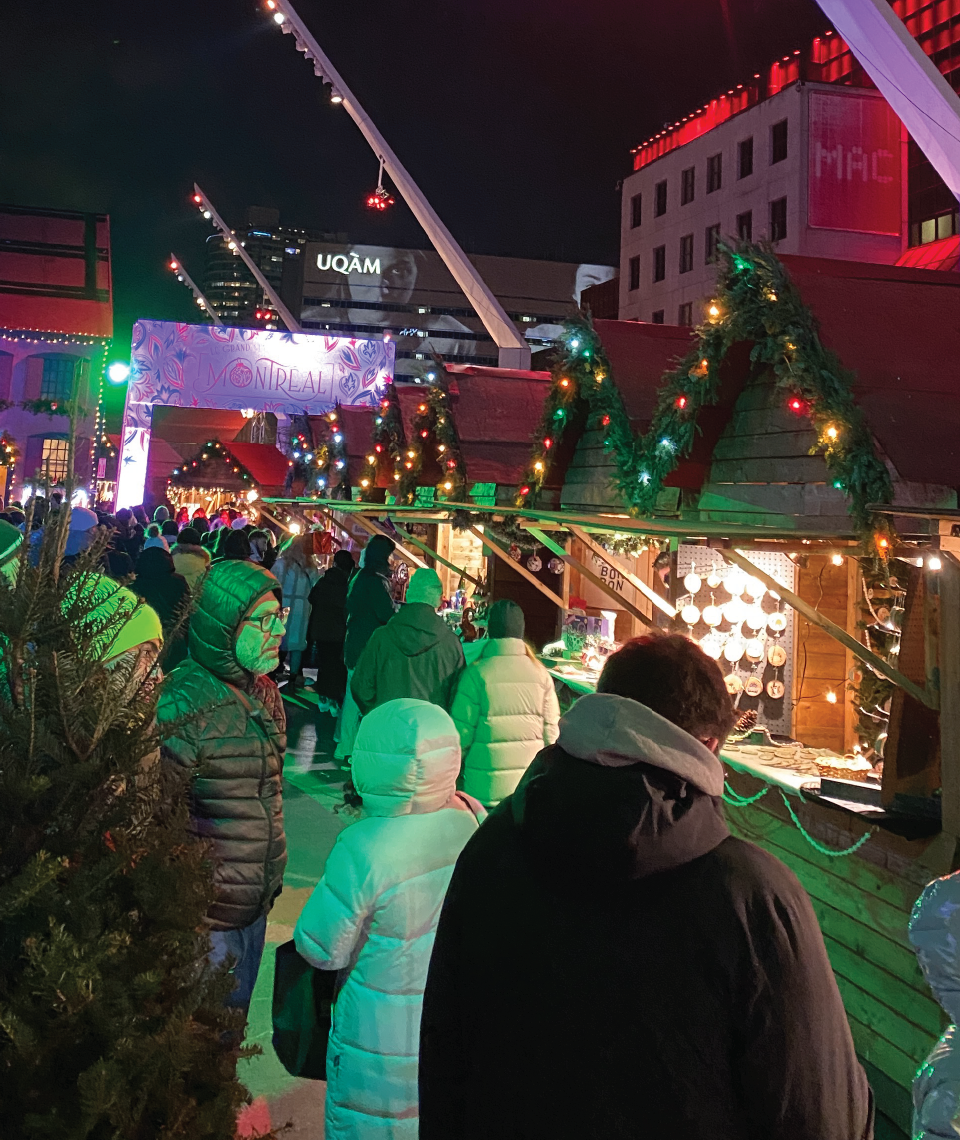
[(221, 719), (416, 654)]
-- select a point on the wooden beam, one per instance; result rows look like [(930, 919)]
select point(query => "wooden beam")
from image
[(950, 694), (374, 528), (637, 583), (871, 659), (502, 552), (439, 557), (591, 576)]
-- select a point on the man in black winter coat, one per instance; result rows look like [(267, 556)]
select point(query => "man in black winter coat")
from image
[(328, 626), (611, 963)]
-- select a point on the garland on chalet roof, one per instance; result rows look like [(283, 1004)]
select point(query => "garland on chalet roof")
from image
[(319, 456), (756, 301), (433, 426), (386, 449), (8, 450), (213, 452)]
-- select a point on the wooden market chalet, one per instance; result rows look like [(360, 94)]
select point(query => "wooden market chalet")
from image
[(868, 660)]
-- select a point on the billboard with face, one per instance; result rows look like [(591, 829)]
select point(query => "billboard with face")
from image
[(412, 292)]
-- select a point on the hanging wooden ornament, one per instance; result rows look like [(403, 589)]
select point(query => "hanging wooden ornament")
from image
[(777, 655), (755, 588), (735, 582), (753, 687), (756, 618), (735, 611), (753, 649), (712, 614), (534, 564), (775, 689), (515, 552), (733, 650), (733, 683), (713, 580), (712, 645), (692, 582), (777, 621), (555, 565)]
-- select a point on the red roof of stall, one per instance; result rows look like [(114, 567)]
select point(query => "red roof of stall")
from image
[(639, 354), (898, 329), (266, 464)]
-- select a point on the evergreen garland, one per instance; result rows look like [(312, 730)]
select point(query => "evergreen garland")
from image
[(213, 451), (319, 457), (433, 419), (756, 301), (8, 450), (387, 447), (582, 384)]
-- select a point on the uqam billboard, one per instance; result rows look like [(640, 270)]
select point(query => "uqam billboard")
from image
[(209, 366)]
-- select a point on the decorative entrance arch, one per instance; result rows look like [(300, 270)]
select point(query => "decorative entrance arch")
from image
[(209, 366)]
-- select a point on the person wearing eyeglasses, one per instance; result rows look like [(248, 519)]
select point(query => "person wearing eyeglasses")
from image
[(222, 723)]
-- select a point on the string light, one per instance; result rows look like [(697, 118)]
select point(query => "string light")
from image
[(564, 383), (681, 401), (713, 311), (605, 421), (837, 559), (831, 697), (934, 563), (525, 490), (832, 432)]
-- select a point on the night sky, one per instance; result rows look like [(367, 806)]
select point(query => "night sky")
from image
[(515, 116)]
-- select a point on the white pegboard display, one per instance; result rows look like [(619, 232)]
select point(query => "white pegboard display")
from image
[(734, 626)]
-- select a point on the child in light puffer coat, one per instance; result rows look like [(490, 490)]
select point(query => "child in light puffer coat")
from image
[(374, 914), (505, 709)]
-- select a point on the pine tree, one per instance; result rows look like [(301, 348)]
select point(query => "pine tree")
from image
[(110, 1027)]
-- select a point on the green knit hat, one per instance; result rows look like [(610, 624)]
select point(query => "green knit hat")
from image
[(102, 599)]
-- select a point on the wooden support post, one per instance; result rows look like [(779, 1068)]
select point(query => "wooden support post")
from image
[(374, 528), (950, 694), (876, 663), (590, 575), (501, 552), (605, 555), (433, 554)]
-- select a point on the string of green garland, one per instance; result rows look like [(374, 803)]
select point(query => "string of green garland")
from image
[(756, 302), (433, 425), (387, 447), (319, 456), (582, 389), (8, 450)]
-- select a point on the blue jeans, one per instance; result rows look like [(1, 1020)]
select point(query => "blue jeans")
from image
[(245, 946)]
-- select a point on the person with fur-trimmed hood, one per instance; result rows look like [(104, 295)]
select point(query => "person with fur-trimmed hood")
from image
[(612, 963)]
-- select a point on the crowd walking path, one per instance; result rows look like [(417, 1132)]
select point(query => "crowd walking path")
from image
[(313, 787)]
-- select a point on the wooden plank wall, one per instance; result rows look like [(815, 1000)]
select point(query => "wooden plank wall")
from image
[(821, 663), (863, 903)]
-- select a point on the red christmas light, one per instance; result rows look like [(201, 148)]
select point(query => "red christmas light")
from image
[(548, 443), (384, 403), (524, 490), (796, 405), (451, 463), (378, 448), (681, 401), (605, 421), (424, 434)]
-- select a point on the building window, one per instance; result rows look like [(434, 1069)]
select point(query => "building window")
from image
[(685, 313), (711, 237), (634, 273), (778, 142), (660, 199), (745, 158), (57, 381), (745, 226), (657, 317), (636, 211), (688, 183), (686, 253), (660, 263), (778, 219), (54, 458), (714, 172)]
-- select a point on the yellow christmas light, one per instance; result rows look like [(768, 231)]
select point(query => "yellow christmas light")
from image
[(713, 311), (832, 432)]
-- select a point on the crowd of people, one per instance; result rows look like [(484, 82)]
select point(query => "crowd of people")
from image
[(542, 926)]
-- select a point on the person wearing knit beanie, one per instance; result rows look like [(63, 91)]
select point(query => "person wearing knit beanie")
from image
[(505, 619), (416, 654)]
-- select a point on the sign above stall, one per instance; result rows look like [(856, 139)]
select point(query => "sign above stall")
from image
[(255, 370)]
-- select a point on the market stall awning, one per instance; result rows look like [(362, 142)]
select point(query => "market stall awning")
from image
[(265, 463)]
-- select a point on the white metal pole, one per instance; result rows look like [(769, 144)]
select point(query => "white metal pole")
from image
[(182, 275), (236, 245), (514, 352), (906, 77)]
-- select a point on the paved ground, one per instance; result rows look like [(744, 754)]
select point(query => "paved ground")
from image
[(312, 789)]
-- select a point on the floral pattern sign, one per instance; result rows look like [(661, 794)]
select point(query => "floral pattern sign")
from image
[(210, 366)]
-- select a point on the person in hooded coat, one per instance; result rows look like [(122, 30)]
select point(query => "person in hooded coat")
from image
[(369, 606), (935, 936), (416, 654), (189, 557), (296, 572), (611, 963), (373, 914), (161, 587), (506, 708), (222, 721), (328, 626)]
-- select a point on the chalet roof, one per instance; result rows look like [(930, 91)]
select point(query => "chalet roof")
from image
[(266, 464), (357, 426), (639, 354)]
